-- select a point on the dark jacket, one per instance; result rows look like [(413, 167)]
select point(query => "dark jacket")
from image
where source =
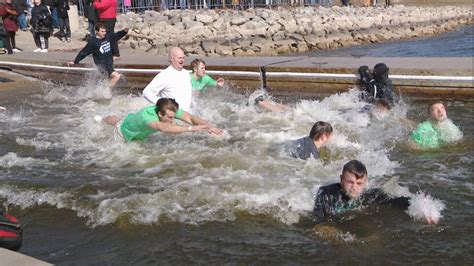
[(90, 12), (331, 201), (62, 6), (41, 20), (100, 49), (302, 148)]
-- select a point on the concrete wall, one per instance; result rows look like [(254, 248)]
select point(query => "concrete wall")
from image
[(431, 2)]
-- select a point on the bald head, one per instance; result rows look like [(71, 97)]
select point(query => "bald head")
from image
[(177, 58)]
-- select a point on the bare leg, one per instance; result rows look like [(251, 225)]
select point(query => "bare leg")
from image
[(272, 106), (114, 78), (111, 120)]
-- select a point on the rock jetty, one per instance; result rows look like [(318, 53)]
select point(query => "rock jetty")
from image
[(269, 32)]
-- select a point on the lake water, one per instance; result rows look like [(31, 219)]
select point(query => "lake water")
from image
[(84, 198)]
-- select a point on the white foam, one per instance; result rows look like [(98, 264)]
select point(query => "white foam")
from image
[(424, 206), (449, 131), (11, 159)]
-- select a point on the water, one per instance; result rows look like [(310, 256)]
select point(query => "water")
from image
[(452, 44), (84, 198)]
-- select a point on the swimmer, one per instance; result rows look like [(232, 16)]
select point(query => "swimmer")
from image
[(200, 80), (351, 194), (265, 102), (160, 117), (436, 131), (100, 48), (303, 148), (379, 109)]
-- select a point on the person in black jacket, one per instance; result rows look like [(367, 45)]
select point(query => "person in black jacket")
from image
[(376, 85), (100, 48), (41, 23), (90, 12), (62, 6)]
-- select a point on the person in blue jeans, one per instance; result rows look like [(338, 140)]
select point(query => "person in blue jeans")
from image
[(21, 7)]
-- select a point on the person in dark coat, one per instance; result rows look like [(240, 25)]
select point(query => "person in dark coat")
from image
[(92, 15), (41, 23), (62, 7)]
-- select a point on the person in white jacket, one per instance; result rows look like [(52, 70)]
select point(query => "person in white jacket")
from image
[(174, 82)]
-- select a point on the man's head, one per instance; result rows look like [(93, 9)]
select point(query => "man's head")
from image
[(380, 71), (199, 67), (437, 112), (166, 109), (100, 30), (176, 57), (354, 178), (37, 2), (321, 131)]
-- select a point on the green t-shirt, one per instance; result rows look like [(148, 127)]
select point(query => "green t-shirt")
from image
[(426, 135), (135, 126), (200, 84)]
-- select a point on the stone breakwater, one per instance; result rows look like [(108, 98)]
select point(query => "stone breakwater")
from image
[(267, 32)]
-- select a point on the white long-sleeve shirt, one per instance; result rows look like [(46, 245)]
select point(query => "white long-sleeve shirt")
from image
[(171, 83)]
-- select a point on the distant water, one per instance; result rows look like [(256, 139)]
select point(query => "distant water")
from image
[(458, 43)]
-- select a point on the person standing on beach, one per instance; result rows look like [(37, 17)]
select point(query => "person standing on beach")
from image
[(9, 14), (436, 131), (174, 82), (107, 11), (41, 21), (100, 48), (200, 80)]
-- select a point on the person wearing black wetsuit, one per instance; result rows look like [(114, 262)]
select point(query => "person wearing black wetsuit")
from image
[(100, 48), (376, 85), (308, 146)]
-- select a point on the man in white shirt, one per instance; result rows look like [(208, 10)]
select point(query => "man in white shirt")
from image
[(174, 82)]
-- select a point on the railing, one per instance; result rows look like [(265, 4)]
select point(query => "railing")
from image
[(159, 5)]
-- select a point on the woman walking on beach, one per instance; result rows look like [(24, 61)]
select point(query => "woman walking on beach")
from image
[(41, 23)]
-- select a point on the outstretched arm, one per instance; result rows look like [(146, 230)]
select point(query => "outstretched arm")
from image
[(175, 129), (194, 120)]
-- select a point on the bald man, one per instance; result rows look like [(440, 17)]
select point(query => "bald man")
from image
[(174, 82)]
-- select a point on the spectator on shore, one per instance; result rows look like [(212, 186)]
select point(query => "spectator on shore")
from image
[(21, 7), (107, 11), (92, 15), (9, 15), (62, 7), (41, 23)]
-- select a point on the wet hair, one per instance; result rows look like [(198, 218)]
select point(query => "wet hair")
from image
[(431, 105), (319, 129), (356, 168), (380, 69), (195, 63), (383, 103), (164, 104), (99, 26)]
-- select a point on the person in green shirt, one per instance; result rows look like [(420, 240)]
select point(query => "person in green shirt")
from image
[(200, 80), (436, 131), (160, 117)]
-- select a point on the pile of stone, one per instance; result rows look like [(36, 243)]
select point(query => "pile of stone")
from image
[(267, 32)]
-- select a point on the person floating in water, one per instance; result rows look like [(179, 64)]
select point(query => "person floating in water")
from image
[(379, 109), (100, 48), (200, 80), (308, 146), (351, 194), (436, 131), (160, 117), (264, 101), (376, 85)]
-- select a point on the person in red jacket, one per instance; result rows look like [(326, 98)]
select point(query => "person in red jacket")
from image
[(10, 23), (107, 10)]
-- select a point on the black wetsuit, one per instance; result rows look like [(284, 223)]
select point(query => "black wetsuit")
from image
[(101, 51), (302, 148), (331, 201)]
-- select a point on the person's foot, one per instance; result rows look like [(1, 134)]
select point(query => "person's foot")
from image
[(63, 39), (44, 50), (37, 50), (16, 50), (2, 109), (68, 39)]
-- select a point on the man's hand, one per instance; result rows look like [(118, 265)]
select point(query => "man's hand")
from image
[(70, 63), (196, 93), (126, 29), (197, 128), (214, 131), (220, 82)]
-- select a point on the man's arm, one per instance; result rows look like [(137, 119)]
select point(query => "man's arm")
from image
[(175, 129), (119, 35), (194, 120), (87, 50), (153, 89)]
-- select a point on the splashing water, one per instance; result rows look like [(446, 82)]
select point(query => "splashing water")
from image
[(449, 131), (423, 207)]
